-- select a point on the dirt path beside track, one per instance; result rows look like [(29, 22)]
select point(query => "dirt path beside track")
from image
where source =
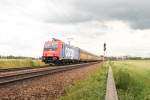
[(48, 87)]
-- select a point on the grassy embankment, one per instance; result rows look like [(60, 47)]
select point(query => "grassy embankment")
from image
[(17, 63), (92, 88), (132, 79)]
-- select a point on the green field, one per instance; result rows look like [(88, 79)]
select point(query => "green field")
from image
[(132, 79), (92, 88), (18, 63)]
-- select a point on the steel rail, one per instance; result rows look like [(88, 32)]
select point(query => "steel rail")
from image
[(8, 77)]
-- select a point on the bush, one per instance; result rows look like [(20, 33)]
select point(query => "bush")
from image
[(122, 79)]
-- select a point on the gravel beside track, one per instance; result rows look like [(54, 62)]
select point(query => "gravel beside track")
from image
[(48, 87)]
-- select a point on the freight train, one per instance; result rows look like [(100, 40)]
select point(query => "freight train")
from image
[(58, 52)]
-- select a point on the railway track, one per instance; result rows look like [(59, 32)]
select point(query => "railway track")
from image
[(18, 75)]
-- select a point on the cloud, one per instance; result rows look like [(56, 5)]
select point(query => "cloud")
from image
[(123, 25), (134, 12)]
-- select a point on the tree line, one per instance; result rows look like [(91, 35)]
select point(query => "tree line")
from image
[(127, 58)]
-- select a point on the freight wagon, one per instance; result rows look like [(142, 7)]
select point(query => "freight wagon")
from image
[(57, 52)]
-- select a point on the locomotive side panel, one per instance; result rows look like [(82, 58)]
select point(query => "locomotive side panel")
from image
[(69, 52)]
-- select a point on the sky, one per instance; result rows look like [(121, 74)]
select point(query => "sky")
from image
[(123, 25)]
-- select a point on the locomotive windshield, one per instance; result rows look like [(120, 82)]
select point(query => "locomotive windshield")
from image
[(50, 46)]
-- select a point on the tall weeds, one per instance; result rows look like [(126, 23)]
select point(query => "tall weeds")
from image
[(15, 63)]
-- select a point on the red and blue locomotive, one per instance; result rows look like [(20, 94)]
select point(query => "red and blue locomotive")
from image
[(57, 52)]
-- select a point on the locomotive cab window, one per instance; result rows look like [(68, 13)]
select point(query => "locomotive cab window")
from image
[(51, 47)]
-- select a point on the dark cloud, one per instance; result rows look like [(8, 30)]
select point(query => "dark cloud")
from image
[(134, 12)]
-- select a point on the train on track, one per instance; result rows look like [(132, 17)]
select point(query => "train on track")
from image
[(58, 52)]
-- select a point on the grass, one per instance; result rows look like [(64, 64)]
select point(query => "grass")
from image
[(132, 79), (17, 63), (92, 88)]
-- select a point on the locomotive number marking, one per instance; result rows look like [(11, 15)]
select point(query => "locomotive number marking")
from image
[(69, 53)]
